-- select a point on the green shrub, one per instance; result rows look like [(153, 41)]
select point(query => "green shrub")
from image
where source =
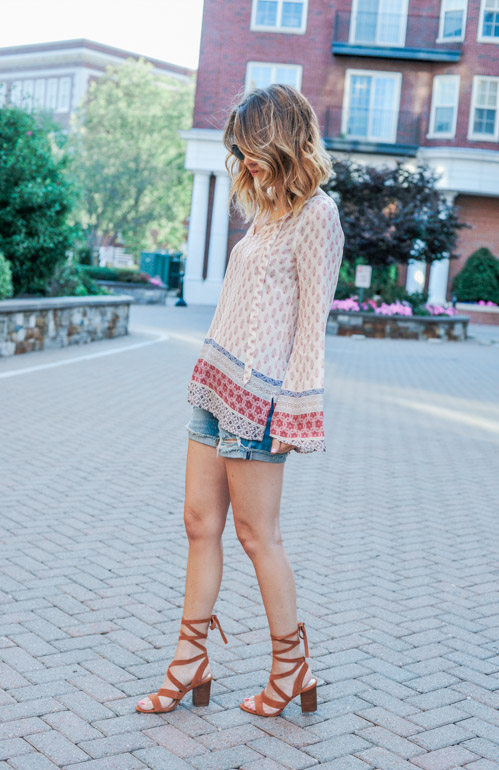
[(126, 275), (71, 280), (6, 286), (479, 278), (83, 254), (383, 284), (35, 201)]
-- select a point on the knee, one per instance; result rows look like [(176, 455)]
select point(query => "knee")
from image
[(256, 543), (202, 526)]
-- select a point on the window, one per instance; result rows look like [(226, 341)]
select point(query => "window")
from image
[(279, 15), (371, 105), (484, 123), (488, 26), (64, 94), (379, 22), (51, 96), (39, 93), (444, 103), (262, 74), (27, 94), (452, 20), (16, 92)]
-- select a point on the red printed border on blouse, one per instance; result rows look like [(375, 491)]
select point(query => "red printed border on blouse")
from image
[(237, 398), (300, 426)]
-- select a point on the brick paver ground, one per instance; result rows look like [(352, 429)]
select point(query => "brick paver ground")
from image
[(393, 533)]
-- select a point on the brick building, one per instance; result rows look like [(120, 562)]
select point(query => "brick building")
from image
[(55, 76), (389, 79)]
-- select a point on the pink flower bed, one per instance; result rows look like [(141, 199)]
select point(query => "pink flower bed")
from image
[(156, 281), (487, 304), (393, 308)]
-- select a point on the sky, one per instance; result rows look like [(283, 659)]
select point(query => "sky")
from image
[(164, 29)]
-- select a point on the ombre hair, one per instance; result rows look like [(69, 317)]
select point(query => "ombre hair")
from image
[(277, 128)]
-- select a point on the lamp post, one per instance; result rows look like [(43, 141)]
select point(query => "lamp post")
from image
[(181, 301)]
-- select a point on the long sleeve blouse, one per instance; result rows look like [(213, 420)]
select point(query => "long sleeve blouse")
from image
[(266, 340)]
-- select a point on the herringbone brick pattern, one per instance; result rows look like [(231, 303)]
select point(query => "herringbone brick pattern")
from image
[(393, 534)]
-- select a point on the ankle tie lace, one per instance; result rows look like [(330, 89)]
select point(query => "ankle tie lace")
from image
[(212, 620), (291, 643), (303, 635), (215, 623)]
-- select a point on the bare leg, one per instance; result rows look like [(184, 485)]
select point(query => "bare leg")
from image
[(255, 491), (205, 512)]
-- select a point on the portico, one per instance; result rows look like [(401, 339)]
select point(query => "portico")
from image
[(470, 172)]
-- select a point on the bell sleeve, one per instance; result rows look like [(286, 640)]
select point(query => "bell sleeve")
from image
[(298, 417)]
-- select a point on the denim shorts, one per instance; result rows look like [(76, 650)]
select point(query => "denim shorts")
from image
[(205, 428)]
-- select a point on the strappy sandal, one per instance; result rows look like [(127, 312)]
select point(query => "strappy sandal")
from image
[(200, 687), (308, 694)]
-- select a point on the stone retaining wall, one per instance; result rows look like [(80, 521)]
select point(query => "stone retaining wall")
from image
[(54, 322), (142, 293), (398, 326)]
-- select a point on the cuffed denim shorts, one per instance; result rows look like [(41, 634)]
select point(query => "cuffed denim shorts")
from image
[(205, 428)]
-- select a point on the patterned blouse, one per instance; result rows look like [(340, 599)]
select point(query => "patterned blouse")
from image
[(266, 341)]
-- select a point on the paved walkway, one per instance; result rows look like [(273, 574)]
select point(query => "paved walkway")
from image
[(393, 534)]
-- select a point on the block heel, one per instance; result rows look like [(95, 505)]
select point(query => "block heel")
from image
[(201, 694), (309, 700)]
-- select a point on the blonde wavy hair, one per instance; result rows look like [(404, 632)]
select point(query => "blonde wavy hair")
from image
[(277, 128)]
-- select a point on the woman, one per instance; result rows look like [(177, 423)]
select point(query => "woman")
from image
[(257, 388)]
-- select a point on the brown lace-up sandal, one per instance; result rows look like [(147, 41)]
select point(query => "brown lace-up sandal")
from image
[(200, 687), (308, 694)]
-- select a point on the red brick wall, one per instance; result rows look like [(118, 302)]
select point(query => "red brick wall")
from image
[(479, 316), (483, 215), (227, 44)]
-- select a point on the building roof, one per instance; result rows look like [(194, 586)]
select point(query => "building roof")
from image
[(91, 46)]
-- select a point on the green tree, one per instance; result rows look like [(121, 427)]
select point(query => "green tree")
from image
[(129, 157), (479, 278), (6, 287), (35, 201)]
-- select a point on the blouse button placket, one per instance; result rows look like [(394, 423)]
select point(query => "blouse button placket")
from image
[(256, 302)]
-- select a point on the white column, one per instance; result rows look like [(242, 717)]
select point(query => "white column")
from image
[(439, 271), (218, 239), (416, 274), (193, 279), (437, 287)]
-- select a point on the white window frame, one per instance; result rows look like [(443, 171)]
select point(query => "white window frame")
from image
[(60, 106), (397, 76), (28, 93), (49, 85), (404, 9), (481, 38), (278, 29), (482, 137), (432, 134), (273, 65), (16, 93), (441, 38), (39, 93)]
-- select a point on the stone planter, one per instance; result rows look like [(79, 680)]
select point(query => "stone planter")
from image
[(142, 293), (480, 314), (345, 324), (54, 322)]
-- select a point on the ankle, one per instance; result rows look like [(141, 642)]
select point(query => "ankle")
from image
[(194, 630)]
